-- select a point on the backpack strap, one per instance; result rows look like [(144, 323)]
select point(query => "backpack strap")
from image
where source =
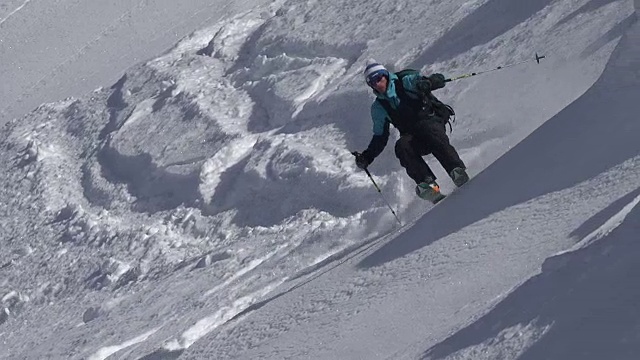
[(452, 117), (443, 110)]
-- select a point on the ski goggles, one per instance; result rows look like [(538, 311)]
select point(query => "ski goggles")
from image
[(375, 78)]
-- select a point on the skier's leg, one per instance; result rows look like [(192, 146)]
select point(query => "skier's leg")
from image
[(409, 152), (434, 133)]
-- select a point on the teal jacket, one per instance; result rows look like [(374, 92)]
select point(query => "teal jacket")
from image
[(381, 119), (414, 85)]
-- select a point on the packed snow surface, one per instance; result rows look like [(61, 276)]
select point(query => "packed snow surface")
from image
[(201, 202)]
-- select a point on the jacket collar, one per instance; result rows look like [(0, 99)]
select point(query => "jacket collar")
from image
[(391, 88)]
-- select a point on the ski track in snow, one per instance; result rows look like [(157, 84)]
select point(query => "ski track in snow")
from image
[(206, 325), (513, 341), (78, 53), (14, 11), (606, 228), (105, 352)]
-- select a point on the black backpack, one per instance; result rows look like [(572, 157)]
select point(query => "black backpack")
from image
[(441, 109)]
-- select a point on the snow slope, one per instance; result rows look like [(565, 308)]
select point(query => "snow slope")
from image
[(206, 204), (402, 299), (50, 50)]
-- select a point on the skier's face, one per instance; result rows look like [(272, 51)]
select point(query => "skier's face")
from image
[(380, 85)]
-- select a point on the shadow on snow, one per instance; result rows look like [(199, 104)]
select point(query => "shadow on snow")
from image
[(588, 299), (483, 25)]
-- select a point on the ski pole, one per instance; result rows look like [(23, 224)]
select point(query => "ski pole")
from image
[(379, 191), (537, 59)]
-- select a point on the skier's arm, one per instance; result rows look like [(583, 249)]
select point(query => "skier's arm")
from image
[(376, 145), (380, 132), (419, 84)]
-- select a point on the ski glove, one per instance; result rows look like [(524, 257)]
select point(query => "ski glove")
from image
[(437, 81), (430, 83), (362, 160)]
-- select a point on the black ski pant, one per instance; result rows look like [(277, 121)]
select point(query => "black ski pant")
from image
[(429, 136)]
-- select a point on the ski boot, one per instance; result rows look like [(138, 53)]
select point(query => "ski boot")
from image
[(459, 176), (429, 190)]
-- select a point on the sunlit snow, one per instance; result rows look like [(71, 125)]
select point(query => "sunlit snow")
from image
[(202, 202)]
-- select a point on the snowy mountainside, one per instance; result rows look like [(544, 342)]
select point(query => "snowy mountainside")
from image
[(540, 269), (152, 212)]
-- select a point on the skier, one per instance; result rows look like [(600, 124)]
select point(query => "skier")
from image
[(404, 100)]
